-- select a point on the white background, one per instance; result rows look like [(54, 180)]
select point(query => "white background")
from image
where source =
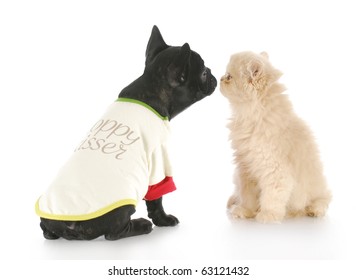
[(63, 62)]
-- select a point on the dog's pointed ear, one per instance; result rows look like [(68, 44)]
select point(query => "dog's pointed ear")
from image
[(155, 44), (255, 69), (179, 67), (184, 56)]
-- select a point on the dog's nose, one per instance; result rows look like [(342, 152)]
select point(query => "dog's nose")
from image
[(213, 82)]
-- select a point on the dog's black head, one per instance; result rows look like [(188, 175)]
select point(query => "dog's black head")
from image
[(174, 78)]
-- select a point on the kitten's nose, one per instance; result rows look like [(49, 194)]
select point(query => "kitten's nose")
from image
[(223, 78), (226, 78)]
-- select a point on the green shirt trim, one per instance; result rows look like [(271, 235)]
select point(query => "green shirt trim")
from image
[(129, 100)]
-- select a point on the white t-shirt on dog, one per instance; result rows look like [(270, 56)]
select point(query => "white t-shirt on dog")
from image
[(124, 153)]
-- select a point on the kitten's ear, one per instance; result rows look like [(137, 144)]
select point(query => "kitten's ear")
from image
[(265, 55), (155, 45), (255, 69)]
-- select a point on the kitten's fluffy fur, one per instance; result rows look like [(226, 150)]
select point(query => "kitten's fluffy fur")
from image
[(278, 170)]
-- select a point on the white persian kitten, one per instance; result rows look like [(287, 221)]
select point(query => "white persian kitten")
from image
[(278, 170)]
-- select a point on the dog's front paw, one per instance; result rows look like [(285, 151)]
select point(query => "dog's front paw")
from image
[(269, 217), (165, 221), (158, 216)]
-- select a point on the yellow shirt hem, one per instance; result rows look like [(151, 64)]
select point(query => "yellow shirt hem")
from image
[(83, 217)]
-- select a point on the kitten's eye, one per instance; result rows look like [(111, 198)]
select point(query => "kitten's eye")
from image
[(228, 77)]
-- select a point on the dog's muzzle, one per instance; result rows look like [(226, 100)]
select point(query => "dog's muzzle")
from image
[(211, 83)]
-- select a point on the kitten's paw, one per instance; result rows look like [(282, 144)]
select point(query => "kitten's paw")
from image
[(269, 217), (316, 210), (233, 201), (318, 207), (239, 212)]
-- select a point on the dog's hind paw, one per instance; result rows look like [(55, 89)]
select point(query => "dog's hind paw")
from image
[(50, 236), (134, 227)]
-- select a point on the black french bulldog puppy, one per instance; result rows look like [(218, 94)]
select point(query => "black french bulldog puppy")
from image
[(174, 78)]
